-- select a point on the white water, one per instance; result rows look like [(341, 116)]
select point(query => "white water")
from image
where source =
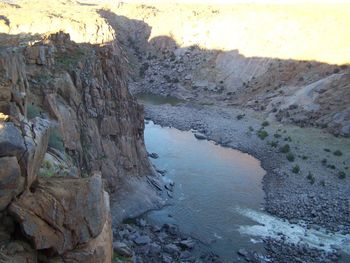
[(273, 227)]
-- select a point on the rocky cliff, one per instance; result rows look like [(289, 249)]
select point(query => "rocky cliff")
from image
[(69, 129)]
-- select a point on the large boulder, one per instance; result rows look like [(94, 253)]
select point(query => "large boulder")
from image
[(60, 213), (98, 249), (11, 140), (36, 141), (11, 181)]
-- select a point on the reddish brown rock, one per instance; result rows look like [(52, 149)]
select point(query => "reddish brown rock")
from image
[(61, 213)]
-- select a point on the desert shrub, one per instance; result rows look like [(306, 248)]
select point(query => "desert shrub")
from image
[(296, 169), (341, 175), (265, 123), (273, 144), (285, 148), (338, 153), (304, 157), (326, 150), (331, 166), (251, 128), (262, 134), (47, 169), (288, 139), (56, 140), (240, 116), (290, 157), (276, 135), (311, 178)]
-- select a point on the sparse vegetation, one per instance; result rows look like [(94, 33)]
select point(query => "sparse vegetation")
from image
[(304, 157), (331, 166), (240, 116), (68, 60), (33, 111), (311, 178), (262, 134), (338, 153), (288, 139), (285, 148), (265, 123), (273, 144), (251, 128), (290, 157), (326, 150), (324, 161), (296, 169), (276, 135), (323, 183), (56, 140), (341, 175), (47, 169)]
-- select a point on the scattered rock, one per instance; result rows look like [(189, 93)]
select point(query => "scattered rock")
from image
[(200, 136), (122, 249), (153, 155), (142, 240)]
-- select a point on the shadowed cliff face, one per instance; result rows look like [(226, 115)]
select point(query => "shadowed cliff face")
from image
[(66, 113), (84, 90)]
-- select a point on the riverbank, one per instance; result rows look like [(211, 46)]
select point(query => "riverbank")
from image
[(299, 185)]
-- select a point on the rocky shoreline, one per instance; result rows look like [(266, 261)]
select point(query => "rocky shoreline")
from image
[(284, 189)]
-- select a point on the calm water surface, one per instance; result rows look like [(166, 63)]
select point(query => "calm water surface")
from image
[(211, 184)]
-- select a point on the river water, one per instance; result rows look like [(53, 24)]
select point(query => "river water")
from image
[(218, 197), (212, 184)]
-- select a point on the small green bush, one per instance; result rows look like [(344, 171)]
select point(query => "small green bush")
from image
[(296, 169), (265, 123), (331, 166), (341, 175), (276, 135), (47, 169), (262, 134), (311, 178), (56, 140), (240, 116), (290, 157), (304, 157), (324, 161), (338, 153), (323, 183), (33, 111), (251, 128), (326, 150), (273, 144), (288, 139), (285, 148)]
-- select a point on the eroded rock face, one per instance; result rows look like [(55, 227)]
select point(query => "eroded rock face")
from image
[(36, 141), (61, 213), (86, 93), (11, 140), (11, 181), (82, 89)]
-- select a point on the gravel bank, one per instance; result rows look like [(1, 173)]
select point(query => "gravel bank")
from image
[(299, 183)]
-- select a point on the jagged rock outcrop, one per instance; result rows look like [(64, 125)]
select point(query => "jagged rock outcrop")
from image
[(66, 113), (85, 91)]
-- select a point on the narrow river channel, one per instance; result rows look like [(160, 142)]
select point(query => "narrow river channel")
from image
[(218, 197)]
